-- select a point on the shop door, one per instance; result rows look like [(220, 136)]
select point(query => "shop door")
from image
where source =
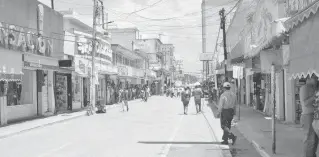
[(69, 91), (257, 88), (86, 91)]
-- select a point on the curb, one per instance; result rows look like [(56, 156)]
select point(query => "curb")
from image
[(50, 123), (40, 126), (258, 148)]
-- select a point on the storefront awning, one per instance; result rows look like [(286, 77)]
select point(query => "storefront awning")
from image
[(302, 16), (276, 36), (237, 53), (304, 49)]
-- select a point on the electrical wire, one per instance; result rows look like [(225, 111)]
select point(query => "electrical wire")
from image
[(150, 6)]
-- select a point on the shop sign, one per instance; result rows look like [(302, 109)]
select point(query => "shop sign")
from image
[(22, 39), (103, 50), (81, 66), (142, 45), (39, 66)]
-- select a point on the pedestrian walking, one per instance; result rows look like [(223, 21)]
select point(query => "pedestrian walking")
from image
[(186, 96), (198, 94), (227, 109), (125, 98), (307, 101)]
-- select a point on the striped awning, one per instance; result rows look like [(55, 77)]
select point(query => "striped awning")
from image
[(10, 77), (302, 16)]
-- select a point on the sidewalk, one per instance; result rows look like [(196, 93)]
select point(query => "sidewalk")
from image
[(14, 129), (257, 128)]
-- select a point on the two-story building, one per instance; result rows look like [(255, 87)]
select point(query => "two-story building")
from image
[(30, 41), (168, 51), (78, 48), (126, 38), (130, 66), (156, 61)]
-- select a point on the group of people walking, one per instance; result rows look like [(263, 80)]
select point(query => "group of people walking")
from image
[(226, 107), (186, 96), (124, 96)]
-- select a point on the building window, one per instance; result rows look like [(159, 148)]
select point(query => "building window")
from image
[(20, 92)]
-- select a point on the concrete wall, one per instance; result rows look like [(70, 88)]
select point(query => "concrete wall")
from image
[(290, 114), (20, 112), (53, 27), (19, 12)]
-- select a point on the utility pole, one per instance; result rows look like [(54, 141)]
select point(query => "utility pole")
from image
[(52, 4), (273, 88), (103, 20), (223, 27), (95, 9), (204, 34)]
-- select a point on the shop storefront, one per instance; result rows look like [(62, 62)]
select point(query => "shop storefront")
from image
[(16, 100), (302, 53), (81, 82)]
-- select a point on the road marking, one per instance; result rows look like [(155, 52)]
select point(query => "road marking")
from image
[(167, 147), (54, 150)]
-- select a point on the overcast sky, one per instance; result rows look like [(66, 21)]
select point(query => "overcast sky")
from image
[(179, 22)]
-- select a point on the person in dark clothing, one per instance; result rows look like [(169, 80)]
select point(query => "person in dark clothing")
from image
[(186, 95), (198, 94), (125, 98)]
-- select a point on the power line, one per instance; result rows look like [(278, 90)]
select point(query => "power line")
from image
[(150, 6)]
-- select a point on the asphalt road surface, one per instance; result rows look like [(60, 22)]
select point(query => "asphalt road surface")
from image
[(156, 128)]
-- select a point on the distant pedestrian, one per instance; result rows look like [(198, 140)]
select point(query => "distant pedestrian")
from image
[(307, 101), (198, 94), (186, 96), (226, 112), (125, 97)]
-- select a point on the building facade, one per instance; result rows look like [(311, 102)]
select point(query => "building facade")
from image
[(30, 40), (78, 48)]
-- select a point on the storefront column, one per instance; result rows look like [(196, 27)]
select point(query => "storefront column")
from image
[(280, 109), (242, 91), (290, 114), (248, 86), (3, 110), (51, 98)]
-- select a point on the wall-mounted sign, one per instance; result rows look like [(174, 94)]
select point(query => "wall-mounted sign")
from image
[(103, 50), (206, 56), (39, 66), (26, 40)]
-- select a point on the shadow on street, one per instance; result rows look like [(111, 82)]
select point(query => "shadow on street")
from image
[(176, 142)]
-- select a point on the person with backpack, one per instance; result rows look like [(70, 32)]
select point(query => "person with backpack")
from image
[(198, 94), (186, 96)]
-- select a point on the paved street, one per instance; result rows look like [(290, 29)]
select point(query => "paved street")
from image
[(155, 128)]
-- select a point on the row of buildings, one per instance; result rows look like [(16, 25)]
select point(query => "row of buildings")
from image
[(46, 61), (266, 34)]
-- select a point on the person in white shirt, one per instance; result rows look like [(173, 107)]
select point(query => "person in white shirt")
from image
[(227, 109)]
